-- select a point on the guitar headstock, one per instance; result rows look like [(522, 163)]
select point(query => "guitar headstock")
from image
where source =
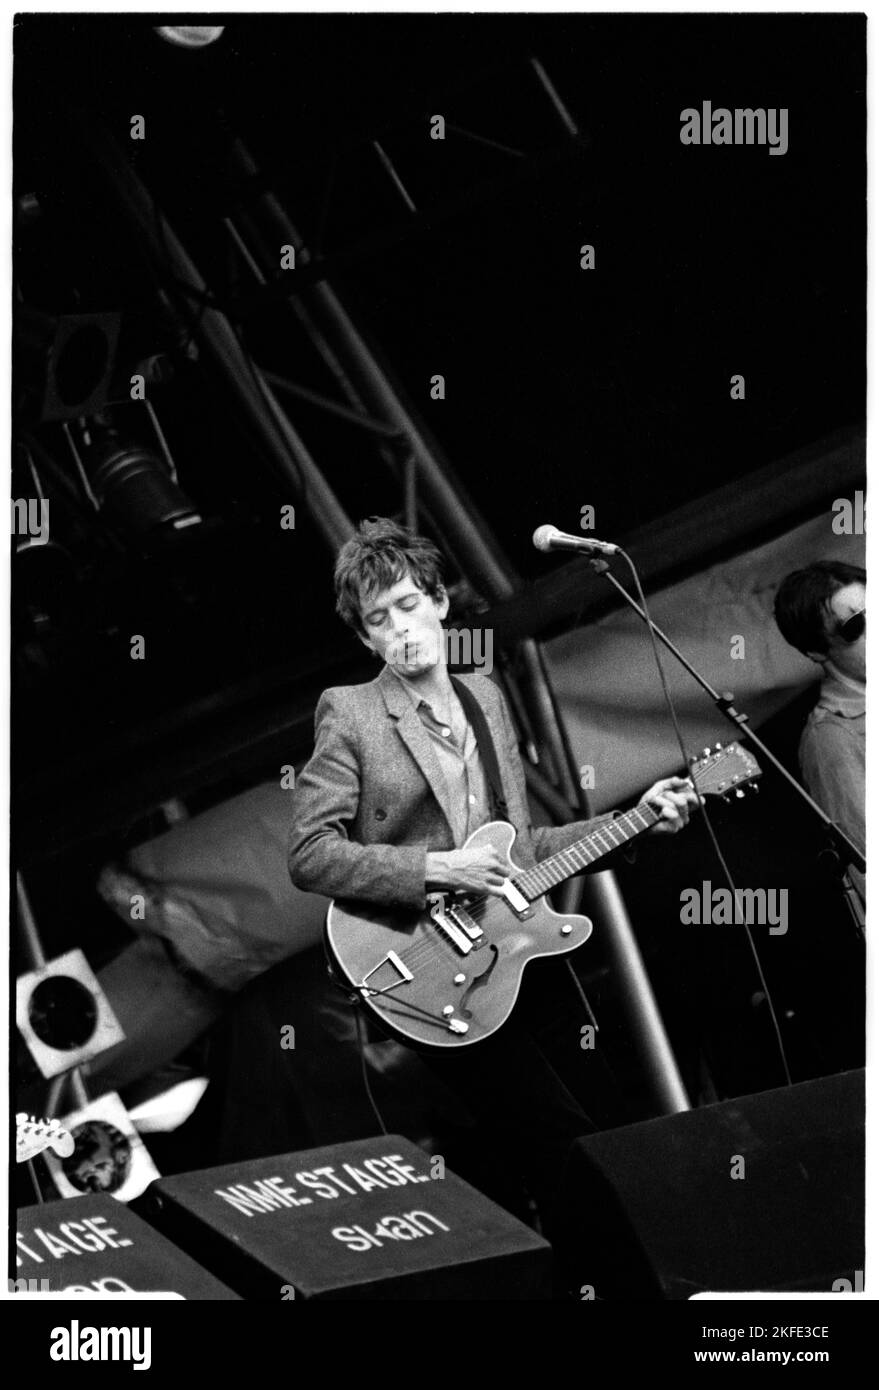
[(33, 1137), (724, 769)]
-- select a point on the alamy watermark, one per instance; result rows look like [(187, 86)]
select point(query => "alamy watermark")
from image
[(30, 517), (742, 126), (76, 1343), (468, 646), (749, 907)]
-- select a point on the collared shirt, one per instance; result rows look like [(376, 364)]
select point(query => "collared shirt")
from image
[(460, 764), (832, 756)]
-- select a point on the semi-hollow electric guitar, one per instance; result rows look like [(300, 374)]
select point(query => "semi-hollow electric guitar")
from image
[(449, 976)]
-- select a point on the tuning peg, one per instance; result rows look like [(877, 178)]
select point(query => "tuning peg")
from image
[(706, 752), (718, 746), (739, 792)]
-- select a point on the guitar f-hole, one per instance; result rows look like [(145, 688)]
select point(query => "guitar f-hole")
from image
[(478, 982)]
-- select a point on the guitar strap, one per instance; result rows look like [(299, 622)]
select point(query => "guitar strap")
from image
[(485, 744)]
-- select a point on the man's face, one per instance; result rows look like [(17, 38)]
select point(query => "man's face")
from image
[(403, 626), (848, 657)]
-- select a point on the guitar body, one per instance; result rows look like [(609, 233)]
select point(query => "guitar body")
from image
[(450, 975)]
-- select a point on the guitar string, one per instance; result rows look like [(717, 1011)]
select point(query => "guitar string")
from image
[(435, 947)]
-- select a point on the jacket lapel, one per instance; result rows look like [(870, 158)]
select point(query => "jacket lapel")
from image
[(416, 738)]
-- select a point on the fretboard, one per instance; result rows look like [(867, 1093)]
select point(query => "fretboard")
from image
[(533, 883)]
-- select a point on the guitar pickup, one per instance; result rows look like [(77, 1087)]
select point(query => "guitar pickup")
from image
[(516, 900), (459, 939), (463, 919)]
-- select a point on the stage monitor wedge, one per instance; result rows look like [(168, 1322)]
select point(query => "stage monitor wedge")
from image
[(372, 1219), (95, 1245), (761, 1193)]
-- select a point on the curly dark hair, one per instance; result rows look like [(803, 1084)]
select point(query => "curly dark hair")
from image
[(801, 604), (378, 556)]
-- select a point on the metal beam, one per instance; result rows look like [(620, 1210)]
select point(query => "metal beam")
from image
[(168, 257), (343, 412)]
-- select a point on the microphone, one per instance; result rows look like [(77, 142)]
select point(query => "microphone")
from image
[(551, 538)]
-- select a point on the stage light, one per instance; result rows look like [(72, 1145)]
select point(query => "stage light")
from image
[(63, 1014), (108, 1153), (190, 35), (63, 363), (131, 482), (128, 478)]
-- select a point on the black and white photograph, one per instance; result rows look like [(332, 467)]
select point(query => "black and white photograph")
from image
[(437, 669)]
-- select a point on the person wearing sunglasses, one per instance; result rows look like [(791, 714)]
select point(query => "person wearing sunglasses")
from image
[(821, 610)]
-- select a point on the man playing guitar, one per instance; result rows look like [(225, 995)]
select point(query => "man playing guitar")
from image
[(396, 786)]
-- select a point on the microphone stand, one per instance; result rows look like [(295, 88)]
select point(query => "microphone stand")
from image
[(841, 846)]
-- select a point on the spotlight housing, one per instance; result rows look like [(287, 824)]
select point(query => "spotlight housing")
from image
[(190, 35)]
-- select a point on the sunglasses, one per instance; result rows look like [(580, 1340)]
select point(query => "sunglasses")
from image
[(853, 627)]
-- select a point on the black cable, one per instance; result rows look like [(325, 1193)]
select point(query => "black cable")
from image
[(36, 1186), (582, 993), (361, 1043), (706, 819), (569, 964)]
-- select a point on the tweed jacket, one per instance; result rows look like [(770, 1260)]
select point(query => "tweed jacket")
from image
[(372, 801)]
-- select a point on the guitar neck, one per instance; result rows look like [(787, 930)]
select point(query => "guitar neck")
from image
[(533, 883)]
